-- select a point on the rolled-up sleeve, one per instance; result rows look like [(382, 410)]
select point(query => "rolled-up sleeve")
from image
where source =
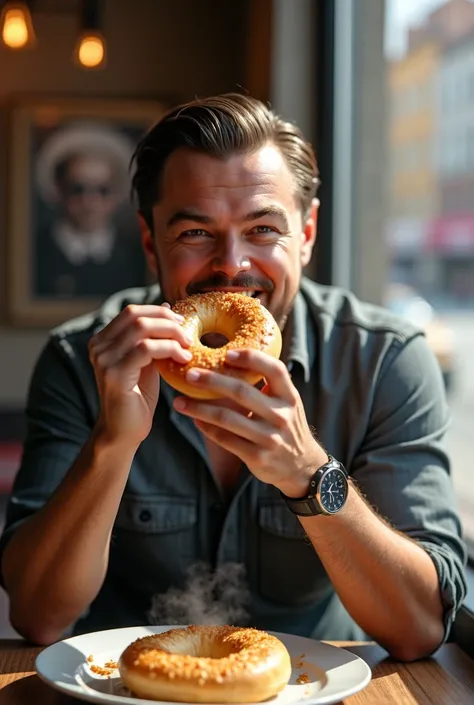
[(403, 467), (58, 425)]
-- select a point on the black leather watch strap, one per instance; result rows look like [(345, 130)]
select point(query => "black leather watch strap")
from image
[(304, 507)]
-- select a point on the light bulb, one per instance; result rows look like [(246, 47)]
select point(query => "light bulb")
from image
[(15, 28), (91, 51)]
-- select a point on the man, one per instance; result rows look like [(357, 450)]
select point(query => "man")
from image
[(87, 248), (125, 485)]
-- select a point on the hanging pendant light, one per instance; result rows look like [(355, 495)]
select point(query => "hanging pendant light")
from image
[(16, 25), (90, 51)]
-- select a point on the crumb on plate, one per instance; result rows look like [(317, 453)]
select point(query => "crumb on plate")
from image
[(102, 671)]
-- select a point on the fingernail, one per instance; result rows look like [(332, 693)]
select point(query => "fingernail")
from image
[(188, 355), (180, 403), (193, 375), (189, 338), (179, 317), (165, 304), (232, 355)]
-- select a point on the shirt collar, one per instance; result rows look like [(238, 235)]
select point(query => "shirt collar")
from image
[(299, 338)]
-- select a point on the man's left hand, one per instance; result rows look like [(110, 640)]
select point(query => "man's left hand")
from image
[(273, 439)]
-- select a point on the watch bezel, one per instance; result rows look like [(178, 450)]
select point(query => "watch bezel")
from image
[(333, 466)]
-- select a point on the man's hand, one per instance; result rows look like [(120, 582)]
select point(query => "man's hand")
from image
[(122, 355), (273, 439)]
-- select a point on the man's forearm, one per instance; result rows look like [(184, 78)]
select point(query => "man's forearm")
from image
[(55, 564), (387, 582)]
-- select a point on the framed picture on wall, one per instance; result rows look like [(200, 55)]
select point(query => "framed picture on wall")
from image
[(72, 232)]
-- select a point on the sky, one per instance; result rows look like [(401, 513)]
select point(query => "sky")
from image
[(402, 14)]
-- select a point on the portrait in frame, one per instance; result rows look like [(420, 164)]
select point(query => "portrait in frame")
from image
[(73, 235)]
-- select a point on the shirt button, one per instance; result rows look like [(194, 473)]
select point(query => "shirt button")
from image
[(145, 515)]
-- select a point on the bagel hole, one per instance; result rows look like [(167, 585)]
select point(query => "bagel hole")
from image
[(214, 340), (203, 648), (215, 651)]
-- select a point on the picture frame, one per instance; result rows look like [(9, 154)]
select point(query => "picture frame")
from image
[(72, 231)]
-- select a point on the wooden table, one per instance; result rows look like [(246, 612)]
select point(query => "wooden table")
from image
[(446, 679)]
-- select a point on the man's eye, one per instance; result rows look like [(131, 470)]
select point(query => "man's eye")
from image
[(265, 230), (197, 232)]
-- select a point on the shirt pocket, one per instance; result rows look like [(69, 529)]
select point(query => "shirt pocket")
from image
[(154, 539), (289, 570)]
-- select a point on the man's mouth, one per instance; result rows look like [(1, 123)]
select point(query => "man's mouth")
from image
[(253, 293)]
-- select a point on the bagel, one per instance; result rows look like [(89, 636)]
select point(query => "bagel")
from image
[(206, 664), (240, 318)]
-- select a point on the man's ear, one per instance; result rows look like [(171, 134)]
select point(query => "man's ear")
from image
[(148, 243), (308, 235)]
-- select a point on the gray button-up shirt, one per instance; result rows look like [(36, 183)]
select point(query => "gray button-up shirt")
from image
[(374, 394)]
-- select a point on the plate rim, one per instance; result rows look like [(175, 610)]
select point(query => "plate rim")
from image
[(75, 690)]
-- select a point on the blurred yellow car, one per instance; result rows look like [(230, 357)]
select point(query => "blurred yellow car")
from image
[(408, 303)]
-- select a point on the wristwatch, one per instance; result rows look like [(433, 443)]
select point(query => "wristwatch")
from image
[(327, 494)]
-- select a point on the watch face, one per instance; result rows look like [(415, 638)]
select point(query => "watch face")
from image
[(333, 491)]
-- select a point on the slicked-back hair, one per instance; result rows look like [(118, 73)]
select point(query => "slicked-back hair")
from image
[(220, 126)]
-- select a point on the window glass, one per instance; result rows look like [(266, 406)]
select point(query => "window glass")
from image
[(429, 50)]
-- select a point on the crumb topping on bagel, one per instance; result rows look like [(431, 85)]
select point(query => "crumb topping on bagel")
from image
[(214, 663)]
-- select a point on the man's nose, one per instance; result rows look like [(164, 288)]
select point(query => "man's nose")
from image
[(230, 258)]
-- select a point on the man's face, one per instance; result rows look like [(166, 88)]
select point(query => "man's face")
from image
[(232, 225), (88, 193)]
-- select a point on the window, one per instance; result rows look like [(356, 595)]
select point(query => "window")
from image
[(449, 285), (434, 207), (471, 85), (446, 96), (470, 149)]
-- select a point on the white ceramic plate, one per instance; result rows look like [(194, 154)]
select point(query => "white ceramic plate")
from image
[(333, 673)]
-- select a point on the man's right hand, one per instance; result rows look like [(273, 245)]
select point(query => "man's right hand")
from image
[(122, 355)]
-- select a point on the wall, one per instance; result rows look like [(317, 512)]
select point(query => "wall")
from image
[(293, 77), (156, 48), (294, 63)]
